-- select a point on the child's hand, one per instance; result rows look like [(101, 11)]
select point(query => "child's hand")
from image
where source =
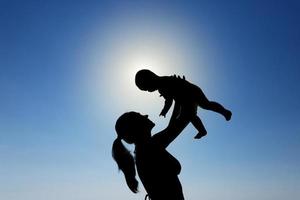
[(162, 114), (183, 77), (177, 76)]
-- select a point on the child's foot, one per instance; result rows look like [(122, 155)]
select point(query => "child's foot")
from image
[(200, 135), (227, 115)]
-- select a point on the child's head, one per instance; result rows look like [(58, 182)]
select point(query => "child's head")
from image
[(146, 80)]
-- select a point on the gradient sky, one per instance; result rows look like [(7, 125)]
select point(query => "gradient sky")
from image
[(67, 72)]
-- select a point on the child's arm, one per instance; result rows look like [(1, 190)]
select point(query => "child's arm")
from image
[(167, 106)]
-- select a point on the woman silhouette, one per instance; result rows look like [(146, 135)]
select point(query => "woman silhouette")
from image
[(157, 168)]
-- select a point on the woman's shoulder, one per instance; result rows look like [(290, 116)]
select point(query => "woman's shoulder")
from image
[(159, 140)]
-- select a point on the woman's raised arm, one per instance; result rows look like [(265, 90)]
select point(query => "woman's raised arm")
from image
[(175, 127)]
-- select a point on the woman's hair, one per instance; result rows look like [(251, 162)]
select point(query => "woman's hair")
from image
[(122, 156)]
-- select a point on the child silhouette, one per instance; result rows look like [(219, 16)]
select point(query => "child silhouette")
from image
[(187, 95)]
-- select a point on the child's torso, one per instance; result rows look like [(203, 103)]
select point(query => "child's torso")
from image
[(178, 89)]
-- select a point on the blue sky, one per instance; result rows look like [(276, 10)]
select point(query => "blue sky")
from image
[(67, 74)]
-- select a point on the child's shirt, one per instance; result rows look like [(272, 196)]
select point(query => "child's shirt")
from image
[(178, 89)]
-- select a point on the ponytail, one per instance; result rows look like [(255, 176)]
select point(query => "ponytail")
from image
[(126, 164)]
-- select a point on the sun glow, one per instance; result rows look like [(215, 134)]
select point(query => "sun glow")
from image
[(125, 50)]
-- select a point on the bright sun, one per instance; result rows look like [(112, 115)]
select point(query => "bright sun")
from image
[(115, 61)]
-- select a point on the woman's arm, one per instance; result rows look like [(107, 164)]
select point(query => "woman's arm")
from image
[(175, 127)]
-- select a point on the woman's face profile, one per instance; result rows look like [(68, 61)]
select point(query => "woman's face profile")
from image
[(144, 122), (133, 127)]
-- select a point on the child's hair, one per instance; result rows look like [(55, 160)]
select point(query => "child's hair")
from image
[(144, 79), (122, 156)]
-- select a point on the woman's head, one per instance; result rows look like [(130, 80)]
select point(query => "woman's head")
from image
[(133, 128), (146, 80)]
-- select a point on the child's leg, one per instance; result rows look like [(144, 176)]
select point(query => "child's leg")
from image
[(213, 106), (189, 112), (197, 123)]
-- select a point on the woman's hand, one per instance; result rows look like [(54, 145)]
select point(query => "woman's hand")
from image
[(176, 125)]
